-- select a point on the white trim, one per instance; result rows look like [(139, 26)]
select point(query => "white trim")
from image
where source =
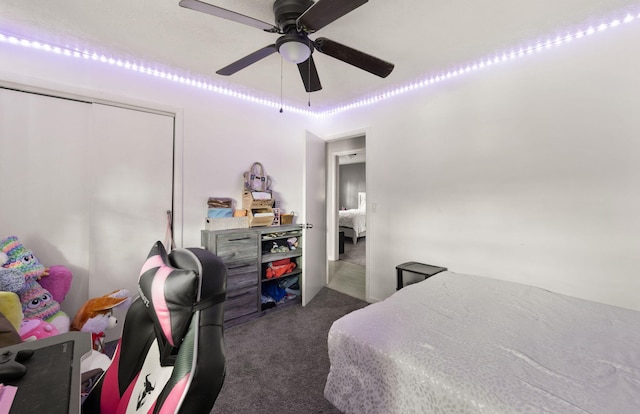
[(20, 87)]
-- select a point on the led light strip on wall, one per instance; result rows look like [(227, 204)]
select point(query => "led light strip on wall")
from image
[(426, 81), (147, 70)]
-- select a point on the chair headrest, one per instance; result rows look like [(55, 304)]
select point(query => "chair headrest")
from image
[(168, 293)]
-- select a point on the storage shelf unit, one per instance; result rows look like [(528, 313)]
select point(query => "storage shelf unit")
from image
[(247, 254)]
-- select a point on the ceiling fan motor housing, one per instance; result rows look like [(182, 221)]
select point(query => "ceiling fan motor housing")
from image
[(288, 11)]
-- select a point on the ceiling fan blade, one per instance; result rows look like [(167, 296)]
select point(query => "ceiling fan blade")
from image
[(353, 57), (203, 7), (324, 12), (309, 75), (247, 60)]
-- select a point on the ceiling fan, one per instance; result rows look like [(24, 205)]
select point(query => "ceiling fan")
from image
[(295, 21)]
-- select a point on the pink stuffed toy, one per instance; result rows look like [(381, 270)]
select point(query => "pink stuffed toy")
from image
[(57, 280), (32, 329)]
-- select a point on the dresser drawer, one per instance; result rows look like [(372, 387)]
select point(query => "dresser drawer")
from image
[(241, 302), (242, 274), (236, 247)]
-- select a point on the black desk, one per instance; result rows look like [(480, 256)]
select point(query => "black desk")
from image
[(53, 369), (419, 268)]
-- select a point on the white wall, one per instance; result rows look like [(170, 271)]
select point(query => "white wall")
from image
[(352, 182), (218, 137), (527, 171)]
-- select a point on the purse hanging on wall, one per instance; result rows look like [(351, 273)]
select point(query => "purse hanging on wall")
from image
[(256, 179)]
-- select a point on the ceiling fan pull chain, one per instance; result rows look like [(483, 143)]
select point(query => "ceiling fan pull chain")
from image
[(309, 73), (281, 83)]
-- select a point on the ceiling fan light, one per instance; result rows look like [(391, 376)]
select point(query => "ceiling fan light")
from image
[(294, 51)]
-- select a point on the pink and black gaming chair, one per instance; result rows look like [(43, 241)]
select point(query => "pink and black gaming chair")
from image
[(170, 358)]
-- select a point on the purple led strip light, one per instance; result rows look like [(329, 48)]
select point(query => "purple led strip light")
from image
[(429, 80)]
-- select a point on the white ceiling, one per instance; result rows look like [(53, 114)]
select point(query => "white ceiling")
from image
[(421, 37)]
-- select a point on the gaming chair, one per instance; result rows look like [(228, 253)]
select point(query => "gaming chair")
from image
[(170, 357)]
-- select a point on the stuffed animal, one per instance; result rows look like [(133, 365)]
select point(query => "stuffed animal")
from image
[(32, 329), (37, 302), (10, 318), (11, 308), (11, 280), (57, 280), (26, 329), (96, 315)]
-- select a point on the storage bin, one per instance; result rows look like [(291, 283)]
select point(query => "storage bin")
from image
[(219, 212), (255, 205), (265, 219), (249, 202), (226, 223), (286, 218)]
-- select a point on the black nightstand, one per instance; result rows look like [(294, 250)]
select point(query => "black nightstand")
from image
[(419, 268)]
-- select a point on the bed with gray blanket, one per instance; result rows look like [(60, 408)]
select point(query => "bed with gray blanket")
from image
[(457, 343)]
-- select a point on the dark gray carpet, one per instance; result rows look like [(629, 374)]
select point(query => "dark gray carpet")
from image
[(279, 363)]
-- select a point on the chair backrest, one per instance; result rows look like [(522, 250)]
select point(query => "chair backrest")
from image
[(170, 357)]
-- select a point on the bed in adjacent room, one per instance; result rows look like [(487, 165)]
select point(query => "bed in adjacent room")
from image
[(353, 222), (470, 344)]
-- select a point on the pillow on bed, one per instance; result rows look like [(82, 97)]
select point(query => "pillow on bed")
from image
[(168, 293)]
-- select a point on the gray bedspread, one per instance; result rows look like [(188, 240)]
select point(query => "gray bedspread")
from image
[(457, 343)]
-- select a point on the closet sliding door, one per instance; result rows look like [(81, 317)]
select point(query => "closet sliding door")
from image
[(86, 185), (131, 190), (44, 145)]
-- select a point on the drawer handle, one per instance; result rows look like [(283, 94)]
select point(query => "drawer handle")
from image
[(242, 238), (238, 267), (240, 295)]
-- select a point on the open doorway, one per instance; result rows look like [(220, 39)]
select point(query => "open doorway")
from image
[(352, 199), (347, 220)]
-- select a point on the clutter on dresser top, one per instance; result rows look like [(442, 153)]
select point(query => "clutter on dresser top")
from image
[(259, 208)]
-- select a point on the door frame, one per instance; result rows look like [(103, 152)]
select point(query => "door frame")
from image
[(332, 197)]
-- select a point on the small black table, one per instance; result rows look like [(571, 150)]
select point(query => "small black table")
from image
[(419, 268)]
